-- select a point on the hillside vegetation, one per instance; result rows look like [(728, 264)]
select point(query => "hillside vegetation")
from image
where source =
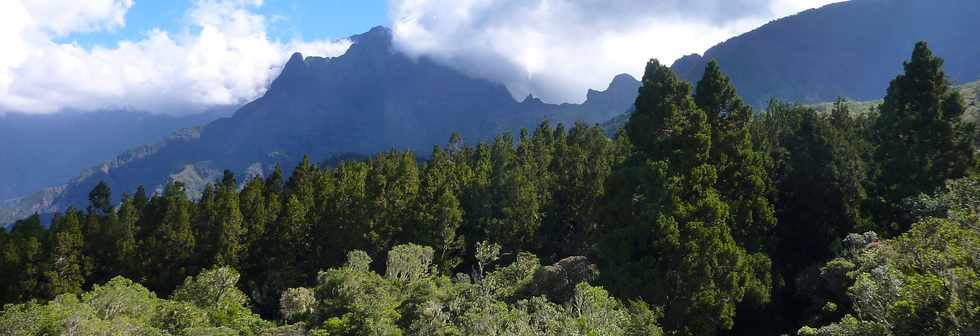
[(699, 217)]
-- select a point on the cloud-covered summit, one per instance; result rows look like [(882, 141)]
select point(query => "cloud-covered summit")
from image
[(558, 49), (222, 55)]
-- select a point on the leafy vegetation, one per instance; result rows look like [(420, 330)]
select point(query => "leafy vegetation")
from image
[(700, 217)]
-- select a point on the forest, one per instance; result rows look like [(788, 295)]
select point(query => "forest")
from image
[(700, 217)]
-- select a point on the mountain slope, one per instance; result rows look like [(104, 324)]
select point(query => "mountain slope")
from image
[(39, 151), (368, 100), (850, 49)]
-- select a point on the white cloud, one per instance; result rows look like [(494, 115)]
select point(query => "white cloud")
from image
[(557, 49), (223, 56)]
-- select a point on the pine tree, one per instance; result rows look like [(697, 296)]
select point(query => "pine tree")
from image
[(669, 240), (66, 267), (253, 207), (226, 238), (171, 247), (98, 233), (21, 261), (920, 136), (101, 199), (124, 244), (743, 181), (440, 214), (205, 218)]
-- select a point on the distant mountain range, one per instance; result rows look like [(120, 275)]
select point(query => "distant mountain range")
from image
[(43, 150), (850, 49), (370, 99), (374, 98)]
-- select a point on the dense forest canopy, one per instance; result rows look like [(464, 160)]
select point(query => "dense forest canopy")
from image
[(700, 217)]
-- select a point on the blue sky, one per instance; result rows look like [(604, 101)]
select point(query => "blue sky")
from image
[(288, 19)]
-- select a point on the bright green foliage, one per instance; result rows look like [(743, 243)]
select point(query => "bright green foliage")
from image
[(66, 268), (924, 282), (669, 240), (216, 293), (353, 300), (920, 136), (121, 307), (959, 200)]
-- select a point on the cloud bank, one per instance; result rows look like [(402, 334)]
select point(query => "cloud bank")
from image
[(557, 49), (222, 56)]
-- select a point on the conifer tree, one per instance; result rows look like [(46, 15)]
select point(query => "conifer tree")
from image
[(124, 244), (440, 215), (205, 219), (253, 207), (228, 231), (66, 268), (742, 178), (101, 199), (920, 137), (22, 260), (171, 246), (669, 240)]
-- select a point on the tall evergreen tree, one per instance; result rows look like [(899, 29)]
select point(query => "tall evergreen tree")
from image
[(669, 239), (743, 181), (124, 254), (22, 260), (172, 244), (920, 137), (66, 267), (97, 231), (820, 172), (205, 218), (226, 238), (100, 199), (440, 214)]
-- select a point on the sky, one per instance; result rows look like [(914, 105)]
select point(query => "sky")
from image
[(183, 56)]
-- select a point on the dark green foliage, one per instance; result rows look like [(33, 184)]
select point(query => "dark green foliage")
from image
[(743, 181), (101, 199), (66, 269), (819, 172), (920, 137), (228, 230), (23, 260), (170, 246), (668, 229)]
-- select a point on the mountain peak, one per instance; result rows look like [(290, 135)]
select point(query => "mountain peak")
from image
[(378, 34), (294, 61), (294, 69), (623, 80)]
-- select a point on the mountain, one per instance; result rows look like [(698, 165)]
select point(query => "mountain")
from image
[(850, 49), (43, 150), (372, 98)]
